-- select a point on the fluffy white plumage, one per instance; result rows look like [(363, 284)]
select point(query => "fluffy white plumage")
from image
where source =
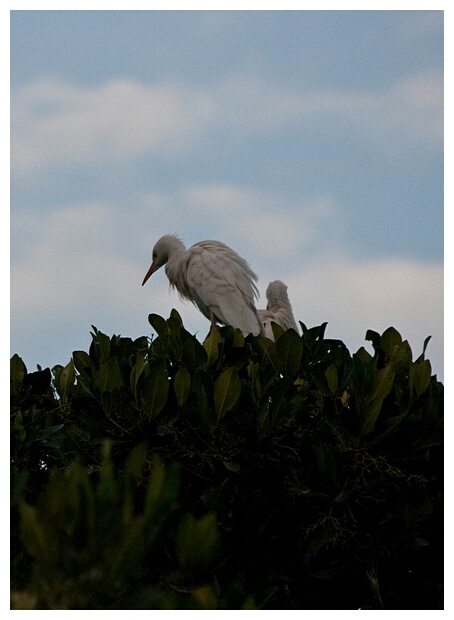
[(278, 309), (213, 277)]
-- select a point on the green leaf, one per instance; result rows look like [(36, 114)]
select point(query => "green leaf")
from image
[(205, 597), (87, 383), (267, 348), (238, 338), (175, 328), (363, 355), (426, 342), (326, 459), (38, 544), (370, 416), (196, 540), (277, 331), (174, 314), (320, 381), (382, 384), (401, 355), (136, 372), (38, 382), (280, 392), (109, 376), (182, 385), (313, 337), (82, 360), (289, 348), (136, 461), (155, 389), (18, 482), (163, 488), (202, 386), (193, 354), (253, 371), (227, 390), (332, 378), (422, 374), (390, 341), (17, 374), (210, 344), (66, 382), (107, 482), (374, 337), (104, 347), (158, 324), (45, 433), (18, 427)]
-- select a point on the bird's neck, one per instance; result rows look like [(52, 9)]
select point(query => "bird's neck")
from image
[(175, 270)]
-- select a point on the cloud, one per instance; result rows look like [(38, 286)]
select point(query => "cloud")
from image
[(60, 124), (55, 123), (412, 110), (64, 266), (73, 271), (354, 296), (72, 276), (420, 24), (251, 221)]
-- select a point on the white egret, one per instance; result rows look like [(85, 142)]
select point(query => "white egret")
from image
[(213, 277), (278, 309)]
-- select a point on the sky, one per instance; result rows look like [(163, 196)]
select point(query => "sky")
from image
[(311, 142)]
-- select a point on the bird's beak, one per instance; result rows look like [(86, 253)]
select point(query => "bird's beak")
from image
[(150, 272)]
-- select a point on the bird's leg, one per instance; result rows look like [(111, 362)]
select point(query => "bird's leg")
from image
[(213, 319)]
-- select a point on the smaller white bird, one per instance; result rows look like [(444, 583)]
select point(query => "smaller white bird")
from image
[(278, 309)]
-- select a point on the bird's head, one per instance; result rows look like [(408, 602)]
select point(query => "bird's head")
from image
[(275, 294), (164, 247)]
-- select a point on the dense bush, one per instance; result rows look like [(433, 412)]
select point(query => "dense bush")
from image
[(237, 473)]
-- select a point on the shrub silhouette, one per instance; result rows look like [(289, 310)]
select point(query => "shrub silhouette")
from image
[(237, 473)]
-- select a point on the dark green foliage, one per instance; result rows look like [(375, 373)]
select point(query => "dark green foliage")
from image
[(233, 473)]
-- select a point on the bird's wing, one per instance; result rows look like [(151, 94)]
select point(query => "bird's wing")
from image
[(282, 317), (222, 283), (265, 320), (285, 318)]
